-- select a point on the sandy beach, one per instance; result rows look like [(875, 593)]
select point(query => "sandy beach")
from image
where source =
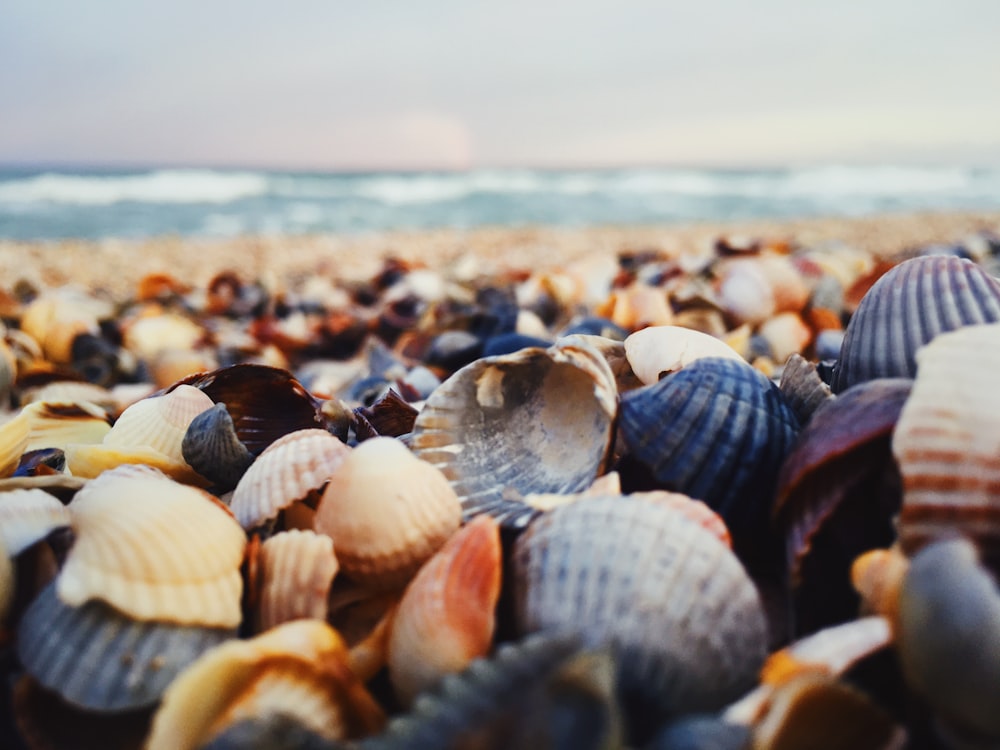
[(116, 265)]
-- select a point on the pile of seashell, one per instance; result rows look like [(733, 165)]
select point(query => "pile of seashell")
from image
[(743, 499)]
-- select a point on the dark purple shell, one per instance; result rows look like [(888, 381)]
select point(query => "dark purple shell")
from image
[(905, 309)]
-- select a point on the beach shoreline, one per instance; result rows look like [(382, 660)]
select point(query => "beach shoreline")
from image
[(116, 265)]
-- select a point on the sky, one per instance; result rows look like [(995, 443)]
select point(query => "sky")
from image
[(458, 84)]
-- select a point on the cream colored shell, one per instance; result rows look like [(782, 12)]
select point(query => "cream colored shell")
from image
[(664, 349), (298, 568), (28, 516), (159, 422), (57, 424), (13, 442)]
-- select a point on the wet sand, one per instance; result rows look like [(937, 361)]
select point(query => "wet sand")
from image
[(116, 265)]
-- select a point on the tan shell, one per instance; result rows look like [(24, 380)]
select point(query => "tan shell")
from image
[(149, 335), (287, 471), (754, 289), (89, 461), (947, 441), (159, 422), (71, 391), (155, 550), (637, 306), (445, 619), (298, 568), (655, 351), (877, 576), (387, 512), (28, 516), (56, 318), (57, 424), (299, 668), (786, 334), (13, 442)]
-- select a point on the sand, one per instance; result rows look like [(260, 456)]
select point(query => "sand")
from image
[(116, 265)]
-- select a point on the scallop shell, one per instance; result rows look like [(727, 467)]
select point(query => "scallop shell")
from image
[(212, 448), (947, 443), (155, 550), (56, 425), (387, 512), (298, 669), (660, 350), (99, 659), (717, 431), (905, 309), (445, 619), (28, 516), (298, 568), (536, 421), (287, 471), (159, 422), (674, 602)]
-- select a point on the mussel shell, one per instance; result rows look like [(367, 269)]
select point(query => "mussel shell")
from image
[(101, 660), (213, 449), (905, 309), (717, 431), (673, 601)]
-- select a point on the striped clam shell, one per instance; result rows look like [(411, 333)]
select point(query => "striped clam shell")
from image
[(28, 516), (155, 550), (297, 568), (947, 443), (286, 472), (672, 599), (213, 449), (718, 431), (905, 309), (536, 421), (101, 660)]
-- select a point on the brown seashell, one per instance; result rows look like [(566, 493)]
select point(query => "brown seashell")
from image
[(660, 350), (297, 569), (55, 424), (803, 388), (28, 516), (293, 466), (445, 619), (387, 512), (390, 415), (299, 668), (154, 549)]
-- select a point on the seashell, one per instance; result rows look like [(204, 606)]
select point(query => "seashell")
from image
[(272, 732), (908, 307), (562, 401), (212, 448), (661, 350), (948, 637), (704, 319), (264, 402), (168, 365), (837, 495), (55, 424), (155, 332), (90, 461), (159, 422), (14, 435), (56, 318), (803, 388), (706, 732), (877, 576), (637, 306), (289, 469), (752, 290), (786, 334), (99, 659), (540, 692), (946, 443), (390, 415), (8, 372), (7, 583), (163, 287), (445, 618), (673, 601), (298, 669), (28, 516), (298, 568), (614, 355), (387, 512), (61, 486), (696, 510), (72, 392), (155, 550), (716, 431)]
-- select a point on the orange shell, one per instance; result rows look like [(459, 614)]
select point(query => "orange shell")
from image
[(298, 569)]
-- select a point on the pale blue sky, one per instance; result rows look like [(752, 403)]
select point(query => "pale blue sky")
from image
[(446, 83)]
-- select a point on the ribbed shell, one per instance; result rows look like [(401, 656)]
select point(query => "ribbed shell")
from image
[(298, 568), (212, 448), (387, 512), (947, 442), (905, 309), (290, 468), (55, 425), (717, 431), (660, 350), (28, 516), (673, 600), (159, 422), (299, 668), (536, 421), (101, 660), (155, 550), (445, 618)]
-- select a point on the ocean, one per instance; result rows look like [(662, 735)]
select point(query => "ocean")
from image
[(49, 204)]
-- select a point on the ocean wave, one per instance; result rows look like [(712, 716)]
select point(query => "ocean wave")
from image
[(161, 186)]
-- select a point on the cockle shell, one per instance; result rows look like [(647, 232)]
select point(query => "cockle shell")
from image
[(538, 420), (661, 350), (159, 422), (101, 660), (55, 425), (155, 550), (905, 309), (387, 512), (287, 471), (213, 449), (299, 668), (28, 516), (297, 568), (445, 619), (685, 620), (947, 443)]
